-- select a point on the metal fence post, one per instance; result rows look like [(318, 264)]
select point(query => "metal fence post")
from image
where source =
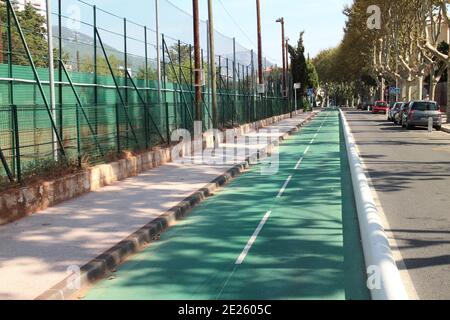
[(147, 100), (228, 89), (235, 88), (16, 143), (125, 53), (60, 73), (10, 75), (191, 67), (77, 117), (95, 68), (125, 70), (166, 104), (119, 147)]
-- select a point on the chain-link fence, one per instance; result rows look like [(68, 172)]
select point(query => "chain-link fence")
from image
[(108, 99)]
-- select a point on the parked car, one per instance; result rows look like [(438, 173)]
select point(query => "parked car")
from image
[(417, 113), (380, 106), (399, 114), (393, 110)]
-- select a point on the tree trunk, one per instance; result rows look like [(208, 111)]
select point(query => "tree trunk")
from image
[(409, 90), (402, 90), (382, 89), (420, 88), (433, 87)]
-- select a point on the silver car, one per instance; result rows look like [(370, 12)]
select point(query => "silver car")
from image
[(418, 113), (396, 108)]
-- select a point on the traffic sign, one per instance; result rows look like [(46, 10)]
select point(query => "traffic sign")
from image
[(394, 90)]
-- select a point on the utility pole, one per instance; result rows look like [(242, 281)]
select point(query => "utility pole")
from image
[(51, 68), (197, 62), (212, 55), (260, 67), (283, 77)]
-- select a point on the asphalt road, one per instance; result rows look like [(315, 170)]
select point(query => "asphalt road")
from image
[(292, 235), (410, 171)]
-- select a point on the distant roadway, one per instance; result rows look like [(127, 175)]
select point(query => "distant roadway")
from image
[(410, 171)]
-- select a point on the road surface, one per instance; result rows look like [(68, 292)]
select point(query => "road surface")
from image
[(410, 171), (293, 235)]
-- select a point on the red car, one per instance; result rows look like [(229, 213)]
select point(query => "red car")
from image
[(380, 106)]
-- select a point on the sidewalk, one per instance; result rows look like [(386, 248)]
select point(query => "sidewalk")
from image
[(36, 251), (446, 127)]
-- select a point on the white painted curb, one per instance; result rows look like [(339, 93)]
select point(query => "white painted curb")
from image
[(377, 252)]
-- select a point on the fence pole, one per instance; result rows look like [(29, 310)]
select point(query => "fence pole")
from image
[(60, 75), (16, 143), (77, 117), (125, 53), (125, 70), (147, 100), (51, 69), (95, 69), (208, 66), (10, 83), (235, 88), (119, 147), (250, 95), (183, 110), (219, 87), (203, 91), (166, 104), (176, 87), (228, 88), (158, 51)]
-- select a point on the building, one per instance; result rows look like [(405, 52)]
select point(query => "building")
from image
[(39, 5)]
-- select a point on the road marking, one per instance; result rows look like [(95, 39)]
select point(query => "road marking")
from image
[(309, 147), (266, 217), (307, 150), (298, 163), (252, 240), (284, 187)]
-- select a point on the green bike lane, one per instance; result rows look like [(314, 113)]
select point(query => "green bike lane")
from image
[(292, 235)]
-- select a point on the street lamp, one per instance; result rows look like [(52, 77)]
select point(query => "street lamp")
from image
[(283, 78)]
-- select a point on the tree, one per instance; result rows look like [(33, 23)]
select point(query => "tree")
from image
[(87, 65), (33, 26), (299, 68), (151, 73), (312, 76)]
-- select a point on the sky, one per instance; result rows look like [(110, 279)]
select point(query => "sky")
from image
[(322, 21)]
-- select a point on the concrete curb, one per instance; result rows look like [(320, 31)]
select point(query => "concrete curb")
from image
[(380, 262), (106, 262), (445, 129)]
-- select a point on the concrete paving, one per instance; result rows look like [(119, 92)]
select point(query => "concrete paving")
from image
[(36, 252), (410, 172)]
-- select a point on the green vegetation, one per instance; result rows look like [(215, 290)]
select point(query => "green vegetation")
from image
[(302, 69), (402, 43), (33, 26)]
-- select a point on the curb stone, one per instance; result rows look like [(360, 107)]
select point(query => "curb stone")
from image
[(109, 260)]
